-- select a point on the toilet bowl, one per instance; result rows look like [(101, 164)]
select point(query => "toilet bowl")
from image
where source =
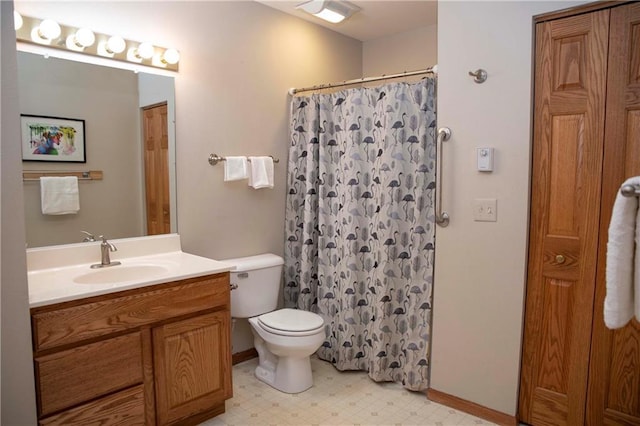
[(284, 346), (283, 338)]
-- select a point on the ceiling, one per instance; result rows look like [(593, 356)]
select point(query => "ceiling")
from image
[(375, 19)]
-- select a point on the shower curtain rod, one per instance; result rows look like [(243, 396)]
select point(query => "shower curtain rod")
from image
[(433, 69)]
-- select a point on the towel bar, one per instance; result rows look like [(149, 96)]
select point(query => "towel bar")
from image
[(215, 159), (32, 175), (630, 190)]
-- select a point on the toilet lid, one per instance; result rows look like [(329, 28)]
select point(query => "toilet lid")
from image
[(291, 321)]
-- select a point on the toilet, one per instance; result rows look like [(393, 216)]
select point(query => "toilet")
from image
[(283, 338)]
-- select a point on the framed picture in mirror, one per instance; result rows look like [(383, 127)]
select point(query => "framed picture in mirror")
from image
[(53, 139)]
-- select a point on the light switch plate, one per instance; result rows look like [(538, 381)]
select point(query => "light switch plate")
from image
[(485, 210)]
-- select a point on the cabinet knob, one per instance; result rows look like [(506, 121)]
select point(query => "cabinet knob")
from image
[(560, 259)]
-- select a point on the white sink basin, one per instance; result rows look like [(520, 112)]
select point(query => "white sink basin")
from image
[(63, 273), (120, 273)]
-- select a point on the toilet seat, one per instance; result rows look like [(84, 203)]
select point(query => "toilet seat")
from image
[(291, 322)]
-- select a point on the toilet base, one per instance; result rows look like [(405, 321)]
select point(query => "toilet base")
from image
[(297, 379)]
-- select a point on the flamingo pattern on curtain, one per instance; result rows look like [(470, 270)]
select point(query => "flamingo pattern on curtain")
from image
[(360, 225)]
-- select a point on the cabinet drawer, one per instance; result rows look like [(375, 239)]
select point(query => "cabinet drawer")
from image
[(120, 409), (80, 374), (72, 322)]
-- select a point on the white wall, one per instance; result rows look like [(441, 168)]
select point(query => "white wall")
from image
[(407, 51), (18, 394), (480, 266)]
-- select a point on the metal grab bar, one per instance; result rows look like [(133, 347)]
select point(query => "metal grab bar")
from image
[(442, 218)]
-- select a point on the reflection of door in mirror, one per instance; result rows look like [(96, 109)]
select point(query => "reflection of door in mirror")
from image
[(156, 169)]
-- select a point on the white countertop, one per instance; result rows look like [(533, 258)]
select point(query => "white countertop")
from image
[(52, 270)]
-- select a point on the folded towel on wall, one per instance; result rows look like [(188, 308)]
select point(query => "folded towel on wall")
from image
[(59, 195), (622, 300), (235, 168), (261, 172)]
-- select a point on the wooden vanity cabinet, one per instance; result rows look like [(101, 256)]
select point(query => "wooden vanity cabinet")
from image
[(158, 355)]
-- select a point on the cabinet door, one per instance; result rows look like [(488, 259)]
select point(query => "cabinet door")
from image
[(192, 360), (614, 380), (570, 89)]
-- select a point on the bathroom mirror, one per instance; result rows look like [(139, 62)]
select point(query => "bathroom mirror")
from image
[(118, 108)]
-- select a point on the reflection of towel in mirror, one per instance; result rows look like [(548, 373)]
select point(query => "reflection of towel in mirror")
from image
[(261, 175), (235, 168), (623, 262), (59, 195)]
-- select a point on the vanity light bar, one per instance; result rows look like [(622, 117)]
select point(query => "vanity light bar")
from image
[(78, 40)]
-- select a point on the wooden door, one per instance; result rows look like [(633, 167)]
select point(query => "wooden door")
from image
[(156, 169), (570, 89), (192, 362), (614, 380)]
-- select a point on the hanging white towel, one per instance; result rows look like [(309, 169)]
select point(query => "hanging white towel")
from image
[(623, 261), (261, 175), (235, 168), (59, 195)]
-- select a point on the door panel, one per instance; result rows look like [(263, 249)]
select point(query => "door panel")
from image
[(191, 358), (156, 166), (614, 380), (570, 92)]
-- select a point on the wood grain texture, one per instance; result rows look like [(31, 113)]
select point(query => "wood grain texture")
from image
[(570, 88), (614, 374), (471, 408), (124, 408), (243, 356), (576, 10), (76, 375), (192, 366), (147, 377), (60, 325)]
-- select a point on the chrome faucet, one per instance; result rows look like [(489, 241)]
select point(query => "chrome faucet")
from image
[(89, 237), (105, 248)]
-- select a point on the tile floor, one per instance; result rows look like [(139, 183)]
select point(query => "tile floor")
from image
[(336, 398)]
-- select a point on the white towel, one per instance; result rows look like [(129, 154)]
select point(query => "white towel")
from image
[(261, 175), (59, 195), (235, 168), (623, 261)]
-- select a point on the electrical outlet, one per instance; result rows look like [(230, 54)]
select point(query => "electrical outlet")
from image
[(485, 210)]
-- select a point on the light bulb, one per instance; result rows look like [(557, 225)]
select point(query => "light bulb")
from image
[(49, 29), (145, 50), (116, 44), (84, 37), (17, 20), (171, 56)]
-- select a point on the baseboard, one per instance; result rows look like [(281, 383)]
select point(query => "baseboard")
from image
[(244, 356), (471, 408)]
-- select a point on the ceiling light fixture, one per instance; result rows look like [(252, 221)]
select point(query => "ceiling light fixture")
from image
[(330, 10)]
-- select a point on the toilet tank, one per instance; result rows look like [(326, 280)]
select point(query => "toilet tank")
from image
[(255, 284)]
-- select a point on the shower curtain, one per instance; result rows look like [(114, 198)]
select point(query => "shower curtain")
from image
[(359, 225)]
